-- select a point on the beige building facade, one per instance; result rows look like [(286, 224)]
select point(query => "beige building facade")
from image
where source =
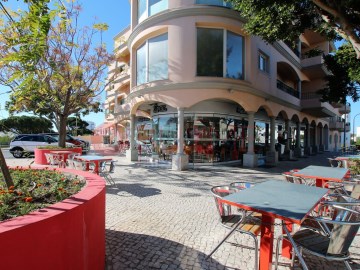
[(191, 85)]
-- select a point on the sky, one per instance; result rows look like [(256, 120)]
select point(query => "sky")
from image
[(116, 13)]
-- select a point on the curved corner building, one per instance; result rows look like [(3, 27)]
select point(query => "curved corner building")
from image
[(189, 81)]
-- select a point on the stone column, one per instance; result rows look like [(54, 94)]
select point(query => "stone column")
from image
[(180, 161), (315, 147), (297, 151), (250, 159), (132, 153), (307, 148), (321, 142), (272, 156), (287, 152)]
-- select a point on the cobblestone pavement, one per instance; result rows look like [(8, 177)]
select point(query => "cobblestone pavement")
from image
[(157, 218)]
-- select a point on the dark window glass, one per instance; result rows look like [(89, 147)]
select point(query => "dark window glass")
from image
[(210, 58), (234, 56)]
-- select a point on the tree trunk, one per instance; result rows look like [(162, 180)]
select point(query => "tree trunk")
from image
[(62, 130), (5, 171)]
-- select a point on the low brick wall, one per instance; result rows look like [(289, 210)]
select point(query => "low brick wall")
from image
[(67, 235)]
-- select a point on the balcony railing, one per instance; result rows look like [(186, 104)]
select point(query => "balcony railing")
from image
[(283, 87), (310, 95)]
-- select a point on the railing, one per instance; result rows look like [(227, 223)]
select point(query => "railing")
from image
[(283, 87), (310, 95)]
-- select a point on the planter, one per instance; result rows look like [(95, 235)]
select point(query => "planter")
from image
[(67, 235), (40, 154)]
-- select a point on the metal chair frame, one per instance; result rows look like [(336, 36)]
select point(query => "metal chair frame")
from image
[(338, 229), (237, 221), (105, 169)]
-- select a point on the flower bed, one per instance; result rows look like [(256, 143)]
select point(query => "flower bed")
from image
[(66, 235), (40, 158)]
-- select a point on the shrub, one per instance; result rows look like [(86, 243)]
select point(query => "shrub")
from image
[(35, 189)]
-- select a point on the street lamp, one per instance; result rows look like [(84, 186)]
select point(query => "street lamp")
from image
[(354, 137)]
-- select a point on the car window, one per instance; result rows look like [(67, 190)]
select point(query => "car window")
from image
[(39, 138), (26, 139), (50, 139)]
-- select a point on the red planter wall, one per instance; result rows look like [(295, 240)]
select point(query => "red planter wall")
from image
[(40, 154), (67, 235)]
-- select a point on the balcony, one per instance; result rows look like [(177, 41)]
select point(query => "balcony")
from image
[(311, 104), (287, 89), (122, 109), (336, 123), (345, 108), (314, 67)]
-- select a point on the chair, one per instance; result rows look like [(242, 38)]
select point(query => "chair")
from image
[(298, 180), (338, 229), (78, 165), (55, 160), (236, 220), (107, 168), (334, 162)]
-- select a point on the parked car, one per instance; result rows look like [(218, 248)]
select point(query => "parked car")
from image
[(26, 143), (85, 145)]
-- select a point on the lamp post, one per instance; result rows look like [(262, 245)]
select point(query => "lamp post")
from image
[(354, 137)]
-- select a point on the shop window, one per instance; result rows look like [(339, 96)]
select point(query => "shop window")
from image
[(147, 8), (152, 60), (220, 53), (214, 3), (264, 62)]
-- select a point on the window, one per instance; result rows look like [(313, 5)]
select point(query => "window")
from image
[(152, 60), (263, 62), (214, 3), (147, 8), (220, 53)]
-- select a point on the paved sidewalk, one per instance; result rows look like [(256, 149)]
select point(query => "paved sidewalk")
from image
[(157, 218)]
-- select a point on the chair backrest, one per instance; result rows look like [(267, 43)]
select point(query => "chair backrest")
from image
[(334, 163), (71, 156), (294, 179), (241, 185), (112, 166), (78, 165), (219, 192), (347, 222), (48, 157)]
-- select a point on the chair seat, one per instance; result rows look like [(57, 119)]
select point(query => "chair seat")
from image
[(316, 243), (251, 223)]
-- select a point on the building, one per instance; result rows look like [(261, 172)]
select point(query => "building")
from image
[(189, 80)]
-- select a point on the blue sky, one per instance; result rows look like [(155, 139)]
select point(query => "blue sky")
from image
[(116, 13)]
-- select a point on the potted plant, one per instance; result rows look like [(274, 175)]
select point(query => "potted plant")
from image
[(52, 219)]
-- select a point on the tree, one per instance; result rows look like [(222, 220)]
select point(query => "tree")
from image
[(78, 127), (287, 20), (68, 77), (25, 124), (29, 47)]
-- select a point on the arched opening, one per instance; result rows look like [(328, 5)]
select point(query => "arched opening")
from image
[(287, 79)]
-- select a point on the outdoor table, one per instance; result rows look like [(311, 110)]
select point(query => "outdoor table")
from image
[(64, 154), (95, 159), (276, 199), (322, 174)]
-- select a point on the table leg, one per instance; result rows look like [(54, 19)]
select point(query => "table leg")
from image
[(319, 183), (266, 242), (286, 245)]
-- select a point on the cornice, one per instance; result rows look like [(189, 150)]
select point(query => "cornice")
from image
[(184, 12), (243, 86), (286, 54)]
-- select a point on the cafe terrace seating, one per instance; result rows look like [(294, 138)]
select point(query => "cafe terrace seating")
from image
[(106, 169), (235, 219), (55, 160), (338, 223)]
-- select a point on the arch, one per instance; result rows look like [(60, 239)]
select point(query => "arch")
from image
[(283, 115), (285, 70)]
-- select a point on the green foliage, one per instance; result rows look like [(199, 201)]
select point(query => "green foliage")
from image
[(5, 140), (25, 124), (68, 77), (35, 189), (336, 20), (345, 75), (78, 127), (355, 166)]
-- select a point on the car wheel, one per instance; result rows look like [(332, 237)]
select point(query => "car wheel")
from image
[(18, 153)]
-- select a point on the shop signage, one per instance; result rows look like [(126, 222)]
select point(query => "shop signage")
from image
[(159, 108)]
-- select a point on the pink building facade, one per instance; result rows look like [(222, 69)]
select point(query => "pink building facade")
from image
[(189, 82)]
